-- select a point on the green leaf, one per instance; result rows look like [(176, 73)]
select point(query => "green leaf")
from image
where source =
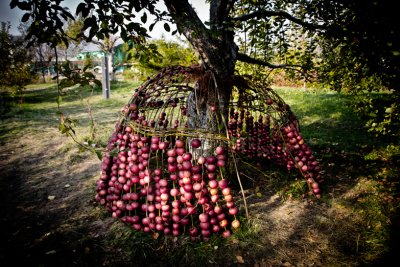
[(114, 152), (25, 17), (24, 5), (152, 26), (99, 154), (13, 3), (104, 25), (62, 128), (89, 22), (144, 17), (97, 82), (58, 99), (166, 27), (81, 8), (93, 31)]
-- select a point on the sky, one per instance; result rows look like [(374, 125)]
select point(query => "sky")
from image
[(14, 15)]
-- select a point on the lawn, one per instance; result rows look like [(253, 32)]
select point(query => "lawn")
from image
[(50, 218)]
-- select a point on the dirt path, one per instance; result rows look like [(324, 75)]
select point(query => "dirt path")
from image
[(46, 202)]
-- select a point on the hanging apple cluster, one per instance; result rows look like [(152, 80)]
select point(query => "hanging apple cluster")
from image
[(158, 175)]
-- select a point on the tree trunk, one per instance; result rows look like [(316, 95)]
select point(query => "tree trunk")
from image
[(217, 51)]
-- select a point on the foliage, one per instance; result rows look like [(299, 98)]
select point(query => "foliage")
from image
[(341, 70), (381, 112), (165, 53), (14, 62), (344, 43), (282, 31), (47, 21), (362, 53), (42, 55), (82, 77), (366, 37), (73, 31), (347, 46)]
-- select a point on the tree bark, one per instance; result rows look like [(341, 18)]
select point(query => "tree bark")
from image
[(217, 51)]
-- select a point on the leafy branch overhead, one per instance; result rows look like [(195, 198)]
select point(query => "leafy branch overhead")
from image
[(103, 18)]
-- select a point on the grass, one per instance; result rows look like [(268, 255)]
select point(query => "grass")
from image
[(326, 118), (361, 188), (37, 108)]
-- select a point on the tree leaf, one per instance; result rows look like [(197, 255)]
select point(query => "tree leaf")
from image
[(144, 17), (388, 110), (81, 9), (99, 154), (25, 17), (152, 26), (58, 99), (13, 3), (24, 5), (166, 27)]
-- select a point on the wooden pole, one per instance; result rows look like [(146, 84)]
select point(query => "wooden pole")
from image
[(106, 77)]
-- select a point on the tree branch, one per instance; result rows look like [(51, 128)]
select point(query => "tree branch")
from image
[(218, 12), (215, 46), (247, 59), (189, 24), (278, 13)]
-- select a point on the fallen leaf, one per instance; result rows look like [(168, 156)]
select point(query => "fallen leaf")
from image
[(239, 259), (235, 241), (51, 252)]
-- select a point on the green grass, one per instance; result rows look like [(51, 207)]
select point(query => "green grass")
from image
[(327, 118), (37, 108)]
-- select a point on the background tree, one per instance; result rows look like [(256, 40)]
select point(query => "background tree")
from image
[(361, 53), (15, 61), (73, 30), (41, 54), (161, 55), (107, 46)]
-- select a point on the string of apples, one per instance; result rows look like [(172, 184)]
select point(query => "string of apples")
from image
[(152, 177)]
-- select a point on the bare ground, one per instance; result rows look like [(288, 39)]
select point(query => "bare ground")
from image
[(50, 219)]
